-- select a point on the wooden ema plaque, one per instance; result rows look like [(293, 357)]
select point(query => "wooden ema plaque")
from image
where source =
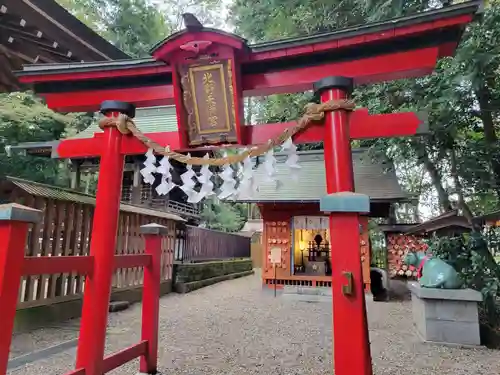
[(208, 98)]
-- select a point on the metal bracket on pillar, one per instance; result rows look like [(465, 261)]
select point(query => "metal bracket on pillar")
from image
[(347, 290)]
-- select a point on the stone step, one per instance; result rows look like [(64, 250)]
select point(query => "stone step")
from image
[(308, 298), (307, 290)]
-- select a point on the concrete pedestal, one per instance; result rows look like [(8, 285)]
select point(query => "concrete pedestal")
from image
[(446, 316)]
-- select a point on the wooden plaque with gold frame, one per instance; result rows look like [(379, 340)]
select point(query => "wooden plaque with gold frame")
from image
[(209, 102)]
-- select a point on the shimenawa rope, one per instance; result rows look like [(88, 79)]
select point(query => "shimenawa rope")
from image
[(313, 113)]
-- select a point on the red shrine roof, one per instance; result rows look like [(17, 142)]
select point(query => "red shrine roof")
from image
[(393, 49)]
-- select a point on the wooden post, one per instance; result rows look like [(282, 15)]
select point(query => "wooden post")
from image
[(136, 189), (14, 222), (151, 296), (75, 175), (349, 311), (90, 353)]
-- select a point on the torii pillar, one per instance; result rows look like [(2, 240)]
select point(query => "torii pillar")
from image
[(350, 326)]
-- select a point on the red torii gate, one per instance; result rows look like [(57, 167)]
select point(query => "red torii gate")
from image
[(329, 63)]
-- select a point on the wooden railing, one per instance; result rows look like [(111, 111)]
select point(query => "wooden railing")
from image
[(183, 208), (65, 231), (160, 203), (204, 244)]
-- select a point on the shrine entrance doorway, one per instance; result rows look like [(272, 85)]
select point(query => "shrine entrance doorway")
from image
[(311, 248)]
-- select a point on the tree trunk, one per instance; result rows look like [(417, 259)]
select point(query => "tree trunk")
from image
[(483, 96), (462, 204), (430, 167)]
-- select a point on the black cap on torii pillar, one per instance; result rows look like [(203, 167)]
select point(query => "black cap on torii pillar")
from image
[(335, 82), (109, 106)]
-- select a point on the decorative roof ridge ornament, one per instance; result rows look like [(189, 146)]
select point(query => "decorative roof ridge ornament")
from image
[(194, 32), (191, 22), (196, 46)]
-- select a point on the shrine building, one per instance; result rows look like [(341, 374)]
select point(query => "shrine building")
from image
[(293, 221)]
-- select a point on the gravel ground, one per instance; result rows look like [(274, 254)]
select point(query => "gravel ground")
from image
[(235, 328)]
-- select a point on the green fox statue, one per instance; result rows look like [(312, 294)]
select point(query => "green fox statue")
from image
[(433, 272)]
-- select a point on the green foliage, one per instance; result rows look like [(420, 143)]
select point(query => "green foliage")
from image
[(208, 12), (134, 26), (274, 19), (25, 118), (87, 11), (224, 216)]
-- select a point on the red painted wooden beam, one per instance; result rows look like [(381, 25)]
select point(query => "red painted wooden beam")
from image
[(175, 41), (89, 101), (92, 147), (118, 359), (362, 125), (369, 70), (79, 148), (92, 75), (360, 41), (82, 265)]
